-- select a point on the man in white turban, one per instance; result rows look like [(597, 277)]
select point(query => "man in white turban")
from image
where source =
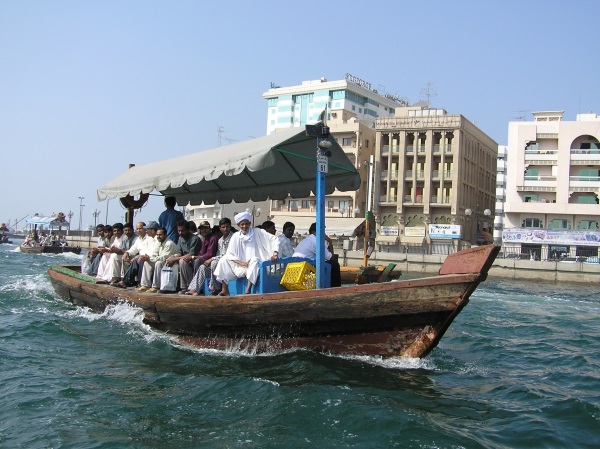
[(246, 249)]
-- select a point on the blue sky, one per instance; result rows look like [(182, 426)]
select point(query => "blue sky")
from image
[(87, 87)]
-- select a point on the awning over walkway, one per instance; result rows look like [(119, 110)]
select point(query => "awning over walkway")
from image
[(334, 226), (273, 166)]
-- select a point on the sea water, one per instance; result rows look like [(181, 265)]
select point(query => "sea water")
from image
[(519, 368)]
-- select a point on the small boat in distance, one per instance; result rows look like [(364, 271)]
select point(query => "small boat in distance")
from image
[(52, 244), (49, 249)]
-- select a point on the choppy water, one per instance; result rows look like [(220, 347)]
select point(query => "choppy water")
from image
[(519, 368)]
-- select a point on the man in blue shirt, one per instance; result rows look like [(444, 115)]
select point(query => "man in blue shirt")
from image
[(169, 218)]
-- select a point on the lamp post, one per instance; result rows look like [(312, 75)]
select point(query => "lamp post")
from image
[(96, 214), (81, 198), (370, 164), (70, 215), (470, 215), (255, 212)]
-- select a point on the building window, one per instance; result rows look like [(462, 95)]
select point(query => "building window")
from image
[(366, 143), (344, 205), (305, 204), (347, 142), (559, 224), (532, 223), (330, 204), (591, 225)]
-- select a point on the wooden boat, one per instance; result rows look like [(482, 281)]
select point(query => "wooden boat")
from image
[(368, 274), (49, 249), (399, 318)]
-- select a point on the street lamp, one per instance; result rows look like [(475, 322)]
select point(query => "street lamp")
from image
[(81, 198), (96, 214), (70, 214), (255, 212), (470, 215)]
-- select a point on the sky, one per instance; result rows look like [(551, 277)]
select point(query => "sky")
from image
[(89, 87)]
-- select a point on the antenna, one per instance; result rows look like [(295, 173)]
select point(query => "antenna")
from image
[(428, 92), (522, 115), (220, 132)]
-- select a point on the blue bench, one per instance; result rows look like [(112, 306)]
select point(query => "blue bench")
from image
[(269, 277)]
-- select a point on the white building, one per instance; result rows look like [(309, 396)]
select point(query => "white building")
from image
[(552, 186), (500, 192)]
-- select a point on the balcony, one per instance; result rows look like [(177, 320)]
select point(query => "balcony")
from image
[(540, 181), (392, 175), (584, 181), (388, 199), (385, 150), (440, 200), (448, 149), (410, 149), (436, 149)]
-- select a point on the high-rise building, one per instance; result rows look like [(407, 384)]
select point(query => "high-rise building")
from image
[(500, 192), (553, 184), (353, 107), (435, 178)]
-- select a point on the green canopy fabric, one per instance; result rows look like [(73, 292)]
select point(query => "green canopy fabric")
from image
[(269, 167)]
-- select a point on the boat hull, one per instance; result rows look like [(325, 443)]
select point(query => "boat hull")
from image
[(47, 249), (400, 318)]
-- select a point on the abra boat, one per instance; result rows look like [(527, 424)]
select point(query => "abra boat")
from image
[(31, 243), (400, 318), (49, 249)]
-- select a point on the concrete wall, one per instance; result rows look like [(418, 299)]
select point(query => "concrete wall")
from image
[(505, 268)]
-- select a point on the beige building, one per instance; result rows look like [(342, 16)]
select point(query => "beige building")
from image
[(353, 107), (552, 188), (435, 178)]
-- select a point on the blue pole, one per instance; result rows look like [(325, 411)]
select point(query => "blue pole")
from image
[(320, 200)]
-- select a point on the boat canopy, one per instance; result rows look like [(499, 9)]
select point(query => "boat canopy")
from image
[(269, 167), (52, 221)]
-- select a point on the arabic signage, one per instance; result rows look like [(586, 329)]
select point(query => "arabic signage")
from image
[(551, 236), (444, 231), (414, 231)]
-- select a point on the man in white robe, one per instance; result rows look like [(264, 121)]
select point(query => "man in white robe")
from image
[(246, 249)]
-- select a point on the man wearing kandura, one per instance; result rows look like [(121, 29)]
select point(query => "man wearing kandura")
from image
[(188, 246), (153, 264), (246, 249)]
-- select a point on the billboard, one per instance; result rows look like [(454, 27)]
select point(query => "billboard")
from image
[(444, 231)]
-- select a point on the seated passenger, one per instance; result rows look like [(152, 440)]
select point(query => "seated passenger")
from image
[(246, 249), (188, 246), (109, 270), (308, 248), (286, 246), (207, 269), (153, 265)]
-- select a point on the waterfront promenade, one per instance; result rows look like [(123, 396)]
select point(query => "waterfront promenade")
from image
[(538, 270)]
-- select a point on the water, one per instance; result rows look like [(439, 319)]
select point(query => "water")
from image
[(519, 368)]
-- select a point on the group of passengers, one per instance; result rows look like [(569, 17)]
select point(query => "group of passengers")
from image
[(52, 239), (203, 259)]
